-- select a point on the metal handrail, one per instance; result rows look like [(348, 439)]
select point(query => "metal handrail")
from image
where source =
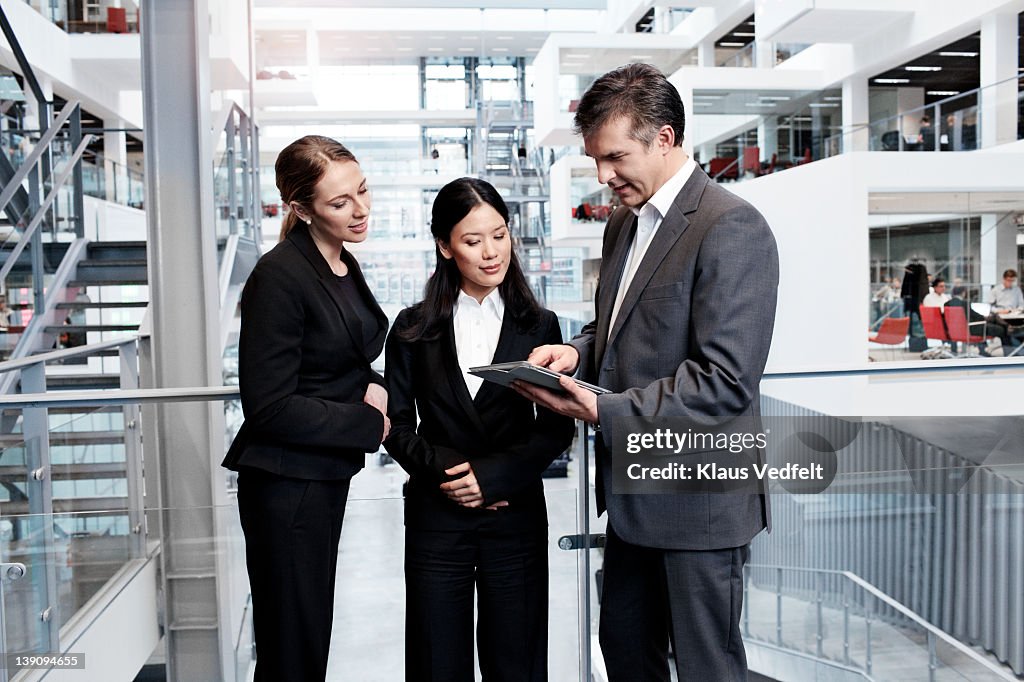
[(33, 157), (912, 366), (932, 630), (44, 208), (121, 396), (64, 354)]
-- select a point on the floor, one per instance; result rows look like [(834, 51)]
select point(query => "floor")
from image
[(367, 642)]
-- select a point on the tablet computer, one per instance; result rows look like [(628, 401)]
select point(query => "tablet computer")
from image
[(505, 373)]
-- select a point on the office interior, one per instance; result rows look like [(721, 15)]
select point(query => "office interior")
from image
[(873, 136)]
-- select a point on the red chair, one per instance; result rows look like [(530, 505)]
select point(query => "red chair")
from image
[(893, 331), (934, 327), (722, 168), (752, 160), (806, 158), (956, 324)]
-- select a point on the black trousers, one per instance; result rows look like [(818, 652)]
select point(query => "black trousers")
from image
[(291, 529), (509, 572), (693, 597)]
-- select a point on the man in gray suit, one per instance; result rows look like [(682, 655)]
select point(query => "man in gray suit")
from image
[(684, 315)]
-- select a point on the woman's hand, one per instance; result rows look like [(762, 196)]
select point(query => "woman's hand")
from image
[(465, 491), (377, 397)]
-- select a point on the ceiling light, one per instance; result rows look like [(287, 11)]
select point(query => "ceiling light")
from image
[(823, 105), (833, 98), (943, 93), (958, 54), (730, 44), (781, 98), (641, 56), (708, 96), (743, 34), (437, 37), (892, 80), (703, 104), (576, 55), (404, 37), (922, 68), (467, 49), (503, 37), (499, 49), (759, 104), (533, 49), (435, 49)]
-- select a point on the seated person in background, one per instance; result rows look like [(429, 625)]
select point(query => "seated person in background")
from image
[(937, 297), (1006, 296), (976, 321), (1003, 298)]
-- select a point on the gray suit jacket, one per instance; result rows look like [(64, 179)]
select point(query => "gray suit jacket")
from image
[(691, 339)]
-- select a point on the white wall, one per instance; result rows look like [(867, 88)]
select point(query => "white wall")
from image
[(819, 214)]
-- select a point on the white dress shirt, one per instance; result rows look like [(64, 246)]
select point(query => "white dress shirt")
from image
[(649, 217), (935, 300), (1001, 297), (477, 328)]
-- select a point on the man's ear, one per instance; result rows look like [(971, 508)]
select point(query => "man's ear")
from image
[(666, 138)]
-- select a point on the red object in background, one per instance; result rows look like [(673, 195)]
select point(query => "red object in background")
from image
[(117, 20)]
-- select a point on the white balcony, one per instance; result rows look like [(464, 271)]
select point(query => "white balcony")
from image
[(827, 21)]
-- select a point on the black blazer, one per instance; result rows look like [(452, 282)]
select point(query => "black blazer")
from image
[(508, 443), (303, 367)]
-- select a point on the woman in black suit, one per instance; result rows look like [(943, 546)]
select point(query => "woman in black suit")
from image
[(313, 407), (474, 507)]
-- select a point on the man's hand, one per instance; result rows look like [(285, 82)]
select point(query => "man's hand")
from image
[(577, 402), (557, 357)]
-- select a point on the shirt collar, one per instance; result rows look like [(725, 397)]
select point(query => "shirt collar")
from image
[(492, 302), (664, 198)]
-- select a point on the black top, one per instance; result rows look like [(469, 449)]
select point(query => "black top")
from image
[(347, 289)]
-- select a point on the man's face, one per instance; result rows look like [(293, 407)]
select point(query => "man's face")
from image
[(1009, 282), (633, 170)]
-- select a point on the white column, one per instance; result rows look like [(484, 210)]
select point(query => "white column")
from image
[(768, 136), (115, 155), (764, 54), (686, 94), (856, 136), (998, 250), (706, 53), (998, 103)]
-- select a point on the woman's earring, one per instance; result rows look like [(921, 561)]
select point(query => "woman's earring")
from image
[(309, 221)]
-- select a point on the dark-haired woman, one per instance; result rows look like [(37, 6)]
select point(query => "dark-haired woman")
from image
[(313, 407), (475, 516)]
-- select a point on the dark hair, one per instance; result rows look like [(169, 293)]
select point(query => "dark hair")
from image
[(452, 204), (299, 168), (937, 281), (639, 91), (960, 292), (1010, 273)]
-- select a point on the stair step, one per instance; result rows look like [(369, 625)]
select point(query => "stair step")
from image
[(71, 472), (94, 505), (65, 382), (76, 305), (80, 328), (103, 251), (134, 281), (68, 438)]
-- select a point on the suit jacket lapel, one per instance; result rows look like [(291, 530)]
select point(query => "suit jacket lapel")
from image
[(672, 227), (503, 352), (303, 241), (450, 364), (615, 266)]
